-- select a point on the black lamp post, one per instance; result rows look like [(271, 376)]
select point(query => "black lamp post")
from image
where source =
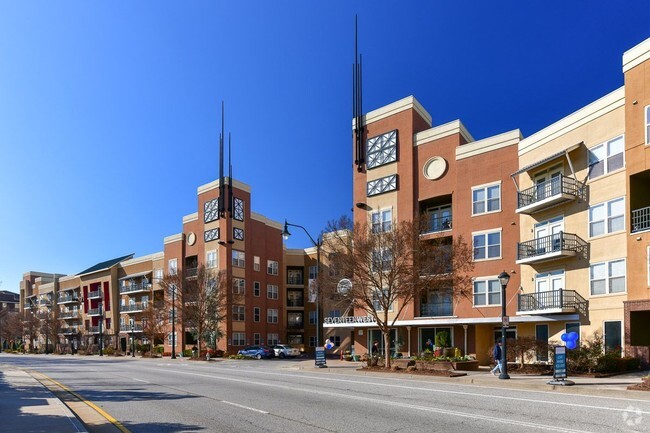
[(101, 320), (173, 289), (503, 279), (317, 244), (132, 338)]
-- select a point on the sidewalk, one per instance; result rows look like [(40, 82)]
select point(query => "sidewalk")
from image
[(28, 406)]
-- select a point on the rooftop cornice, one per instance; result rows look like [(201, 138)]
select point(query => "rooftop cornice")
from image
[(489, 144), (636, 55), (441, 131), (394, 108)]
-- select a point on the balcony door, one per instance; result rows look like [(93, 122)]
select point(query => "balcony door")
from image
[(439, 218), (548, 183), (543, 232), (547, 287)]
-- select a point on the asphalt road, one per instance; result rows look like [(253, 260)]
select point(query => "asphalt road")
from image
[(157, 396)]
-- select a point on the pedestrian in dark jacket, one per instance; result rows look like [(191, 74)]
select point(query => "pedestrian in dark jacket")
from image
[(496, 354)]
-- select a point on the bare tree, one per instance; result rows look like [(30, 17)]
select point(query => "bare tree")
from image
[(201, 301), (12, 328), (153, 323), (49, 328), (31, 325), (390, 267)]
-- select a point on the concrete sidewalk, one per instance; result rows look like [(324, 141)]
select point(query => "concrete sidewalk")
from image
[(28, 406)]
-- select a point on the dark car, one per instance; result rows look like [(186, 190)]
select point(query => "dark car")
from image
[(258, 352)]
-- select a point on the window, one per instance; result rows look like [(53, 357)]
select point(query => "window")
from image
[(648, 264), (238, 259), (378, 300), (256, 263), (295, 320), (382, 149), (541, 335), (238, 339), (238, 286), (312, 317), (382, 221), (211, 235), (573, 327), (173, 316), (606, 157), (239, 209), (272, 339), (211, 261), (271, 291), (486, 199), (312, 341), (382, 260), (334, 313), (172, 268), (335, 339), (157, 275), (256, 289), (381, 185), (607, 277), (607, 217), (272, 315), (294, 276), (313, 272), (256, 339), (238, 233), (272, 267), (238, 313), (294, 339), (256, 314), (487, 292), (487, 245), (612, 336), (172, 338), (211, 210)]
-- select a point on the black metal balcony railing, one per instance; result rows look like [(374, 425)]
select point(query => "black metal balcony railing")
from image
[(552, 300), (550, 188), (69, 314), (296, 325), (127, 328), (557, 242), (44, 302), (641, 219), (436, 309), (140, 287), (95, 329), (191, 272), (295, 302), (95, 294), (68, 330), (67, 298), (94, 312), (438, 223), (138, 306), (295, 280)]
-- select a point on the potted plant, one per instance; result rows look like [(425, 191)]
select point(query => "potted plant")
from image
[(442, 342)]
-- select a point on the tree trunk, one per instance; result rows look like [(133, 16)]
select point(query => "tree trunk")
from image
[(387, 348)]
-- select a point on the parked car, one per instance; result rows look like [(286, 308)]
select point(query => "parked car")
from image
[(258, 352), (284, 350)]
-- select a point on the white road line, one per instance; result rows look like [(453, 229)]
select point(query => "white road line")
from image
[(140, 380), (375, 400), (244, 407)]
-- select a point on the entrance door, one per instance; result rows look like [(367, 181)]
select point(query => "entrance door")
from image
[(541, 335), (376, 335)]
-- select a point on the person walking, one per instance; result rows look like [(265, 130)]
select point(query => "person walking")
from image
[(496, 354)]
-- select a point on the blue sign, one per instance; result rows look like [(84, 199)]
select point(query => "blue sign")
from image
[(559, 365), (320, 356)]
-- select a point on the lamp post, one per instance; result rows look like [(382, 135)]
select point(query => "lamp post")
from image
[(101, 320), (173, 289), (317, 244), (503, 279), (132, 337)]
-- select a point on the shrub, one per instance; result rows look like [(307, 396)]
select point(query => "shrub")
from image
[(110, 350)]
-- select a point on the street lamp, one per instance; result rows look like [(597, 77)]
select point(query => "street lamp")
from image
[(132, 337), (317, 244), (101, 319), (173, 289), (503, 279)]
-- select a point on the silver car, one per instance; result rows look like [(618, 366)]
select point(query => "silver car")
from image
[(284, 350)]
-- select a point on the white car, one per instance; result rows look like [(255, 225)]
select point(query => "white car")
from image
[(284, 350)]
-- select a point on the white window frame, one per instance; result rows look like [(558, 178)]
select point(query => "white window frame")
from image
[(210, 264), (382, 220), (158, 274), (172, 266), (272, 267), (486, 200), (486, 233), (256, 263), (238, 313), (488, 281), (271, 315), (377, 301), (648, 264), (272, 291), (608, 277), (238, 286), (239, 339), (272, 338), (238, 259), (381, 149), (607, 218), (647, 124), (606, 156)]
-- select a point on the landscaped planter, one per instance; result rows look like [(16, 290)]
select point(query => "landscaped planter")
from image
[(465, 365), (434, 365)]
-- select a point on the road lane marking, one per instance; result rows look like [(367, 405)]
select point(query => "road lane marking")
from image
[(394, 403), (244, 407), (140, 380), (98, 409)]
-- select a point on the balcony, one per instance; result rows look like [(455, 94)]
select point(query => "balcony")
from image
[(74, 314), (296, 302), (191, 272), (555, 301), (548, 194), (44, 302), (95, 312), (67, 299), (296, 280), (640, 219), (95, 295), (552, 247), (438, 223), (135, 288), (137, 307), (95, 330), (127, 328), (437, 309), (70, 330)]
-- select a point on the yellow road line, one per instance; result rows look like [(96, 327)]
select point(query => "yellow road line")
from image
[(99, 410)]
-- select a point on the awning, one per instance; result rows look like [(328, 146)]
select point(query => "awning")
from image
[(139, 274), (547, 159)]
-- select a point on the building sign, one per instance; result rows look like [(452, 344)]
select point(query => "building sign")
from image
[(320, 356), (345, 320), (559, 364), (312, 294)]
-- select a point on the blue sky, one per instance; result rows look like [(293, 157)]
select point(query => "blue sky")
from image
[(110, 111)]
